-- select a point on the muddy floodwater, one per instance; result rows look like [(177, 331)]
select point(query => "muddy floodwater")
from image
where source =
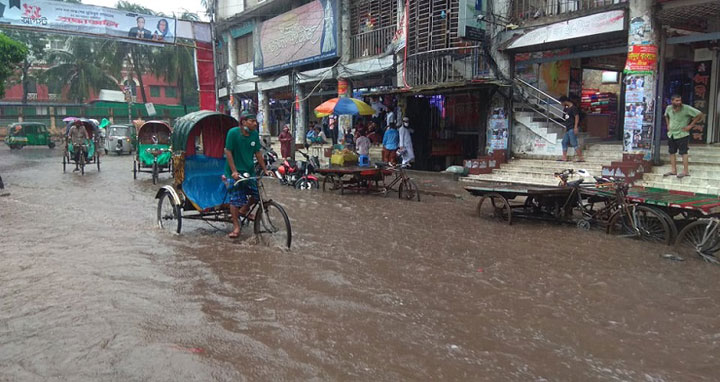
[(374, 289)]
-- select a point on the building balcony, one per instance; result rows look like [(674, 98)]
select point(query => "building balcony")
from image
[(527, 11), (371, 43), (446, 66)]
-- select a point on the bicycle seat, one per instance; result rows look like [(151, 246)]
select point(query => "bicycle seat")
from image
[(575, 183)]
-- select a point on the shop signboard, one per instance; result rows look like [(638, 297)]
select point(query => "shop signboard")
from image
[(596, 24), (301, 36), (701, 98), (470, 24), (78, 18), (641, 59)]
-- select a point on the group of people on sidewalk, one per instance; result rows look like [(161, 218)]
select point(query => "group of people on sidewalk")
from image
[(680, 120), (395, 141)]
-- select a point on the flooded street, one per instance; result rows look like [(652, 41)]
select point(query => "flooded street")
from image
[(374, 289)]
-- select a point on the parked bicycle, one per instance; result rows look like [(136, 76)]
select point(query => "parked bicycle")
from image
[(406, 187)]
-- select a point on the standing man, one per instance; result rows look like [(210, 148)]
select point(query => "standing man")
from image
[(405, 145), (241, 145), (680, 120), (285, 139), (390, 145), (78, 135), (571, 115)]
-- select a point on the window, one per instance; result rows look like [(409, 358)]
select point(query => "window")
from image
[(244, 49), (154, 91), (170, 92)]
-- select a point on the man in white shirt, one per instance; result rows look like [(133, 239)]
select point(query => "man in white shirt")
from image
[(405, 147)]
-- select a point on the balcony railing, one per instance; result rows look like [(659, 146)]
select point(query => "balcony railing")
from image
[(372, 43), (446, 66), (524, 10)]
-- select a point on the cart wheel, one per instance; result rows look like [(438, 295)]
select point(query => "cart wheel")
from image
[(670, 221), (272, 225), (169, 214), (155, 173), (701, 237), (408, 190), (497, 208), (64, 162), (640, 222), (584, 224), (134, 169)]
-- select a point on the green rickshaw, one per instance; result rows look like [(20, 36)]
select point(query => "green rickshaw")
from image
[(23, 134), (153, 153), (86, 153)]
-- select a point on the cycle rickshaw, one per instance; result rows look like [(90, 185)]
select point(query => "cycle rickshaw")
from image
[(88, 152), (153, 151), (199, 192)]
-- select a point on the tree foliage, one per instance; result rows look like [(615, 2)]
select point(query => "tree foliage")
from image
[(12, 53)]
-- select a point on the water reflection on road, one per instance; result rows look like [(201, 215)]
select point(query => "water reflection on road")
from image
[(373, 289)]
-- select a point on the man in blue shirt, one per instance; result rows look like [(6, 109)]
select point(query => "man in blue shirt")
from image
[(390, 144)]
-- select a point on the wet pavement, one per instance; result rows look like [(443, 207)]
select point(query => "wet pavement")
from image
[(374, 289)]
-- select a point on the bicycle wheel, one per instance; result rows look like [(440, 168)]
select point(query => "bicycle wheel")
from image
[(169, 215), (272, 225), (408, 190), (701, 237), (498, 208), (669, 220), (640, 222), (155, 173)]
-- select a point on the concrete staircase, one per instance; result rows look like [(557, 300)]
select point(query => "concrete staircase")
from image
[(538, 169), (704, 172)]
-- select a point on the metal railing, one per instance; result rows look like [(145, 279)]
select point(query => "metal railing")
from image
[(447, 65), (523, 10), (539, 102), (372, 43)]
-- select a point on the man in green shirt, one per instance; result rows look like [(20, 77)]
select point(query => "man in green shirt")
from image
[(680, 120), (241, 145)]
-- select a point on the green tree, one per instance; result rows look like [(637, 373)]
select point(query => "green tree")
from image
[(36, 53), (175, 64), (78, 69), (12, 53)]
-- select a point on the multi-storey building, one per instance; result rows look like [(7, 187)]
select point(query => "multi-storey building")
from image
[(427, 58)]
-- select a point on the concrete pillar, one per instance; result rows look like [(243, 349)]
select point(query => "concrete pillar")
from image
[(640, 81), (300, 108), (345, 34), (400, 56), (263, 114)]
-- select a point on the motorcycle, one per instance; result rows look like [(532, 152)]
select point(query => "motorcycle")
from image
[(269, 156), (299, 174)]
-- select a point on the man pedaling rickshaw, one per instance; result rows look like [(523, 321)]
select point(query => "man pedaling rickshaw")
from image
[(241, 145), (78, 137)]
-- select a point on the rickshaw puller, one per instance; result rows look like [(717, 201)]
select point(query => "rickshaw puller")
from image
[(241, 144), (78, 136)]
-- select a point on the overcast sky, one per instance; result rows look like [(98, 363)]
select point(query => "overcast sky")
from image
[(165, 6)]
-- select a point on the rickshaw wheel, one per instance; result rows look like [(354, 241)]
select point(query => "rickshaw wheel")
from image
[(169, 215), (97, 160), (134, 169), (64, 161), (155, 173), (498, 208), (272, 225), (82, 163), (650, 225), (408, 190)]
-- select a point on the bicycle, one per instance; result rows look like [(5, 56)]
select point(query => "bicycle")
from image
[(407, 189), (621, 217), (700, 237)]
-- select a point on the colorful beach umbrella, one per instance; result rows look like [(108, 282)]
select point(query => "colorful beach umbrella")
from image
[(343, 106)]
